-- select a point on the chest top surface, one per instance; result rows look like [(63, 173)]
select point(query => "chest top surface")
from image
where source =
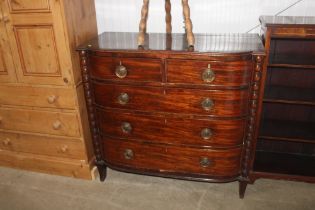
[(296, 21), (169, 43)]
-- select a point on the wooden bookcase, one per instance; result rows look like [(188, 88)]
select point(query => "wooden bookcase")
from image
[(285, 146)]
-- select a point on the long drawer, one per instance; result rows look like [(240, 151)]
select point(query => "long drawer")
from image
[(126, 69), (42, 145), (223, 103), (171, 159), (37, 96), (171, 130), (236, 73), (56, 123)]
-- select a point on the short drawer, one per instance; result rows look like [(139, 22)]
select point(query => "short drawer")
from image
[(56, 123), (171, 159), (42, 145), (126, 69), (171, 130), (209, 73), (38, 96), (224, 103)]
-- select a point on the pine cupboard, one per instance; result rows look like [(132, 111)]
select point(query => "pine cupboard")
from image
[(43, 118)]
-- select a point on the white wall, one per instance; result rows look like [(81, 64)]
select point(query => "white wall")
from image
[(208, 16)]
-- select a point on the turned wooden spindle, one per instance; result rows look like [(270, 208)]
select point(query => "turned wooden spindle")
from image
[(168, 17), (188, 25), (143, 23), (168, 20)]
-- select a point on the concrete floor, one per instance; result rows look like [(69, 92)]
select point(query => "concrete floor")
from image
[(21, 190)]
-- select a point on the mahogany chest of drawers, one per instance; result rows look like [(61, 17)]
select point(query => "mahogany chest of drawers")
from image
[(169, 112)]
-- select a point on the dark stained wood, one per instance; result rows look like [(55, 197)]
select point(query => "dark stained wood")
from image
[(166, 159), (289, 112), (288, 130), (226, 73), (299, 52), (157, 130), (137, 69), (205, 43), (289, 26), (171, 130), (258, 78), (242, 188), (289, 95), (91, 114), (285, 145), (283, 163), (229, 103)]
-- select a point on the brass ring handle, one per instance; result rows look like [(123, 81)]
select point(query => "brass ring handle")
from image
[(57, 125), (123, 98), (6, 142), (207, 104), (126, 127), (52, 99), (206, 133), (121, 71), (128, 154), (208, 75), (204, 162)]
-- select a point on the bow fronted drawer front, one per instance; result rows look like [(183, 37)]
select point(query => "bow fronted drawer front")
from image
[(172, 129), (126, 69), (218, 103), (210, 73), (171, 159)]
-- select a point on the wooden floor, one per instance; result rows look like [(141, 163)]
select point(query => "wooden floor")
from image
[(20, 190)]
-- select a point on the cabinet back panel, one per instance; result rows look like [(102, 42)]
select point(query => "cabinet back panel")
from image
[(292, 51), (291, 77), (286, 147), (286, 112)]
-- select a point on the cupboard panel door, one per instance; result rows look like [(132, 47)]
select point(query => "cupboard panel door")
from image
[(38, 42), (37, 50), (7, 69), (17, 6)]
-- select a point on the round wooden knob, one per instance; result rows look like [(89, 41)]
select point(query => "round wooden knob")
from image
[(6, 142), (57, 125), (64, 149), (5, 19), (52, 99)]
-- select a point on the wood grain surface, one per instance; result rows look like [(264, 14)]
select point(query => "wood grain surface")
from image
[(172, 159), (172, 130), (228, 103)]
